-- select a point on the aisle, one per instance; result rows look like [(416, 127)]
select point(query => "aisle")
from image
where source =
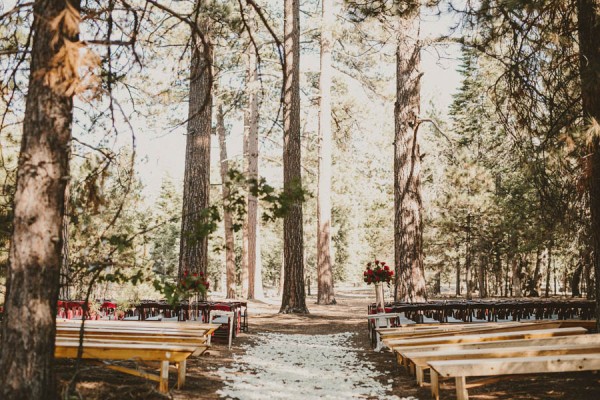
[(302, 367)]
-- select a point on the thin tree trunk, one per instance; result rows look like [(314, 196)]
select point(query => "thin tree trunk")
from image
[(294, 295), (539, 256), (245, 238), (33, 273), (258, 284), (193, 254), (481, 276), (65, 272), (516, 277), (251, 127), (549, 268), (408, 225), (468, 258), (589, 31), (457, 270), (227, 219), (325, 293)]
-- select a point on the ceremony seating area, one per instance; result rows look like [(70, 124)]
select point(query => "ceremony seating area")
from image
[(491, 350), (108, 341)]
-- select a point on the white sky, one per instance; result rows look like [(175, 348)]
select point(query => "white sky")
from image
[(162, 155)]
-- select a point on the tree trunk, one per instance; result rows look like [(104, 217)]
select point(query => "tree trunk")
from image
[(259, 292), (227, 219), (539, 256), (457, 271), (408, 225), (589, 31), (294, 296), (549, 269), (251, 132), (481, 276), (193, 254), (33, 273), (65, 272), (516, 276), (325, 294), (468, 258)]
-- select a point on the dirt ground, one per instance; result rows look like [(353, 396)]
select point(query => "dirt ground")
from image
[(348, 315)]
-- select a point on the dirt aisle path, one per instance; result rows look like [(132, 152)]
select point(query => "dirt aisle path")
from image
[(323, 355)]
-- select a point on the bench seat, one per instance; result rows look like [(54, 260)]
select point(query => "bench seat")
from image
[(421, 359), (116, 350), (461, 369)]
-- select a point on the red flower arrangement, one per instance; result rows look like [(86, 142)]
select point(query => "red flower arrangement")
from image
[(377, 272), (194, 282)]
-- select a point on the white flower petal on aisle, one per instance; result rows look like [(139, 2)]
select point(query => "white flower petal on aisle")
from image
[(307, 367)]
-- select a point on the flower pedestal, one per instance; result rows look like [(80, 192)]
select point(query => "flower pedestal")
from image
[(379, 297)]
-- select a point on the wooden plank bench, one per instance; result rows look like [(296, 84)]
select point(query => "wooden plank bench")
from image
[(494, 329), (117, 350), (486, 337), (420, 360), (461, 369), (399, 345), (497, 327), (123, 341)]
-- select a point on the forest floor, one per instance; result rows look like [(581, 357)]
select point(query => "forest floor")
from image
[(323, 355)]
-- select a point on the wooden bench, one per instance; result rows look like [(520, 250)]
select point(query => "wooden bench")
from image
[(461, 369), (112, 340), (116, 350), (399, 345), (587, 344), (485, 337), (479, 328)]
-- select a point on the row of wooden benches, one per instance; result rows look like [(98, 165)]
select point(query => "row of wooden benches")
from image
[(492, 350), (108, 341)]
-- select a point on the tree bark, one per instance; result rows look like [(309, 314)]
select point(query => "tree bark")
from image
[(227, 219), (539, 256), (481, 276), (294, 298), (33, 274), (516, 276), (408, 225), (549, 269), (325, 292), (468, 259), (589, 50), (193, 254), (457, 270), (251, 128), (258, 283), (65, 272)]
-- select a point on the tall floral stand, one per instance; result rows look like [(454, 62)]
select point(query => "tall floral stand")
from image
[(379, 298), (379, 321)]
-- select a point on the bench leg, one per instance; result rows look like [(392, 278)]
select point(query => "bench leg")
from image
[(163, 385), (461, 388), (435, 389), (419, 372), (181, 367), (411, 369)]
